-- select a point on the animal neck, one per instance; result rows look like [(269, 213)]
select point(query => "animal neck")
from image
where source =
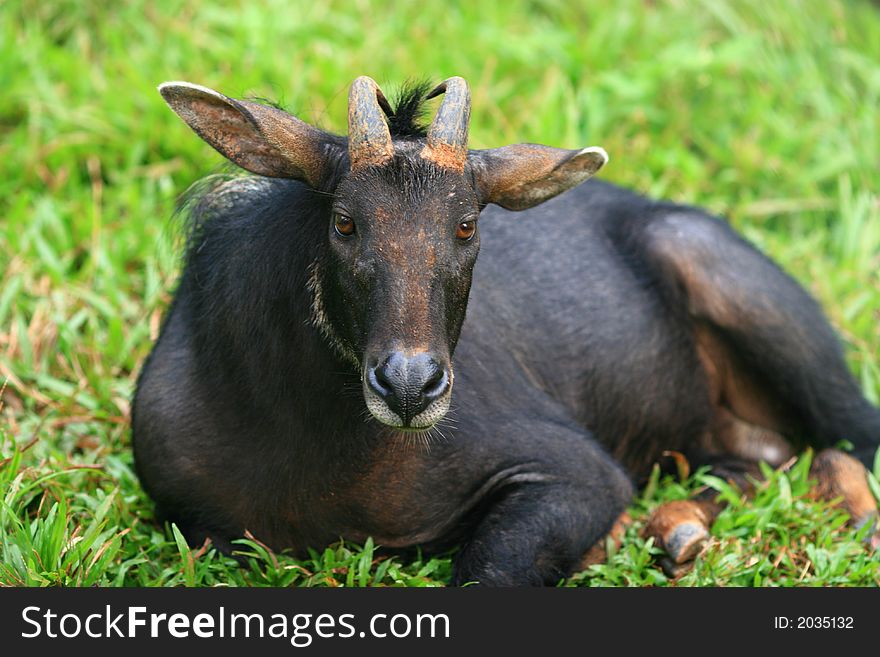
[(252, 289), (321, 322)]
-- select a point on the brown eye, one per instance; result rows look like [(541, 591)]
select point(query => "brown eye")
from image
[(343, 225), (466, 230)]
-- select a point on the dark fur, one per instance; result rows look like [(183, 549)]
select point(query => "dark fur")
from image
[(576, 367), (408, 119)]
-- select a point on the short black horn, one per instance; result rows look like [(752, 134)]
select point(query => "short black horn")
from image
[(369, 141), (448, 134)]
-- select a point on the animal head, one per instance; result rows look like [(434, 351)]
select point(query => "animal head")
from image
[(401, 236)]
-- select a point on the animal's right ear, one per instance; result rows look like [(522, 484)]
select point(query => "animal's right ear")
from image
[(261, 139)]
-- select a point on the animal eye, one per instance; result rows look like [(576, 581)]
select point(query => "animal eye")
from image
[(344, 226), (466, 230)]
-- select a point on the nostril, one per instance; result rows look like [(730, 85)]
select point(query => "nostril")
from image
[(378, 380), (407, 383), (437, 384)]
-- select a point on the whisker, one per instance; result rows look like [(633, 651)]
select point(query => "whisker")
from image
[(435, 433)]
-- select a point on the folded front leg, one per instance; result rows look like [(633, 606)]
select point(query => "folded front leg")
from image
[(538, 528)]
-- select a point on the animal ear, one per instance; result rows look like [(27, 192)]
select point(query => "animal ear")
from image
[(261, 139), (521, 176)]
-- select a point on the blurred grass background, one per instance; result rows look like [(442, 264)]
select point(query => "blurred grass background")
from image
[(762, 110)]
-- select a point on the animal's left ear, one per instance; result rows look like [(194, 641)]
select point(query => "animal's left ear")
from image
[(521, 176)]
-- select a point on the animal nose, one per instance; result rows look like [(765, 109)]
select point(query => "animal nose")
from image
[(408, 383)]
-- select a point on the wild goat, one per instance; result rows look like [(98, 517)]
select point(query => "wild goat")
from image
[(302, 384)]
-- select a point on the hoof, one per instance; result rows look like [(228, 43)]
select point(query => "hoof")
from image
[(873, 521), (680, 528), (685, 541)]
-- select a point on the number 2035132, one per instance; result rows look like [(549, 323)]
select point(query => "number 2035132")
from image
[(813, 623)]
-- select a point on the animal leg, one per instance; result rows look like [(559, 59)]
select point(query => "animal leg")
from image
[(776, 360), (839, 475), (681, 527), (537, 525)]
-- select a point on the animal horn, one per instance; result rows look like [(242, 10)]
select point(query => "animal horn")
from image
[(448, 134), (369, 141)]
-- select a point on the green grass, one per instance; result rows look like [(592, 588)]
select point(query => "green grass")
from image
[(761, 110)]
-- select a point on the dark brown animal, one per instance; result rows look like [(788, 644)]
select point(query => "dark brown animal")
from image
[(317, 375)]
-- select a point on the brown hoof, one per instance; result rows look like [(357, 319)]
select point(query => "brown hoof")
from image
[(680, 528)]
